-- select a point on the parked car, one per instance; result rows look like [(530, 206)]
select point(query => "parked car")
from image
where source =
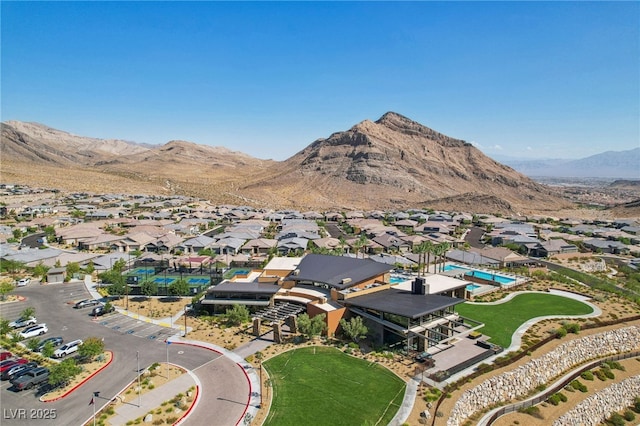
[(34, 330), (17, 370), (31, 378), (5, 355), (23, 281), (86, 303), (67, 348), (23, 322), (7, 364), (56, 341), (102, 309)]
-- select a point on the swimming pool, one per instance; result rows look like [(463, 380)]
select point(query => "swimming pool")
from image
[(397, 279), (472, 287), (482, 274)]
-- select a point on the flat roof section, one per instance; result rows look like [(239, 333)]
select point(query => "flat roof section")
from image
[(404, 303), (283, 263), (438, 283)]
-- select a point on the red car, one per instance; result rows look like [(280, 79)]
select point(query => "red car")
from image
[(5, 355), (7, 364)]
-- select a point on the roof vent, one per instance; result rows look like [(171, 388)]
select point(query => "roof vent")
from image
[(346, 280), (296, 272)]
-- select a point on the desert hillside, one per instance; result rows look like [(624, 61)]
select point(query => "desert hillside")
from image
[(393, 162)]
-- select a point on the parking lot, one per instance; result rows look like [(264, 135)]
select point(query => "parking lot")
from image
[(135, 327), (127, 338)]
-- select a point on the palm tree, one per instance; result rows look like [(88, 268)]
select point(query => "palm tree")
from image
[(363, 242), (420, 250), (428, 248), (440, 250)]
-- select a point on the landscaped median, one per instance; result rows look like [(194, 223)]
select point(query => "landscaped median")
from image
[(151, 398), (89, 371)]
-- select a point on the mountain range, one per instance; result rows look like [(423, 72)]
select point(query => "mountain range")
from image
[(609, 165), (393, 162)]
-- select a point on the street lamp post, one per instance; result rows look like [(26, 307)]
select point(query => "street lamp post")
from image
[(93, 402), (168, 343)]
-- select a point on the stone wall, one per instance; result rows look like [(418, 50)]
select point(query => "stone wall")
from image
[(595, 409), (521, 381)]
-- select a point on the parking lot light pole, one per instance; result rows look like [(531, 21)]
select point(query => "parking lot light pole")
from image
[(168, 343), (139, 374)]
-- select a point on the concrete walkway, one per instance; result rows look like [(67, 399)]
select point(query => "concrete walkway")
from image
[(153, 399), (516, 339)]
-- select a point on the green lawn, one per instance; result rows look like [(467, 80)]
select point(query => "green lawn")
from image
[(321, 385), (502, 320)]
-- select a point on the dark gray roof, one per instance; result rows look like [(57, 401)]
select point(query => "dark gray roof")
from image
[(402, 302), (332, 270), (227, 287)]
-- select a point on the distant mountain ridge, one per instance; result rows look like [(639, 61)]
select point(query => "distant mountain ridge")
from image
[(609, 164), (393, 162)]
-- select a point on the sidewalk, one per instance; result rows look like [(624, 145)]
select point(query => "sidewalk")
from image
[(152, 400)]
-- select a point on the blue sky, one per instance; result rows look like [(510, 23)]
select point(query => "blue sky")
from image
[(518, 79)]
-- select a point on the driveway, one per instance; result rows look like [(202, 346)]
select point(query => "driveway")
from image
[(225, 387)]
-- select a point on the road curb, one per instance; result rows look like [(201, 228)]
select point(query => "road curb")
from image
[(43, 399), (204, 346), (191, 407)]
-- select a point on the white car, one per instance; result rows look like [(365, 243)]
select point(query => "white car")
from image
[(34, 330), (23, 322), (67, 348), (23, 282)]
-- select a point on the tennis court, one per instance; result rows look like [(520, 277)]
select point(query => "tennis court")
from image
[(198, 281), (143, 271), (164, 280)]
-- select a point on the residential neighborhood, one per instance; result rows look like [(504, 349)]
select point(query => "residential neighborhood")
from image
[(406, 275)]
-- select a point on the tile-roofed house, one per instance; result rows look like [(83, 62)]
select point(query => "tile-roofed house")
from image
[(288, 245), (392, 243), (328, 243), (472, 257), (230, 245), (259, 246), (553, 247), (194, 245), (30, 257), (605, 246), (502, 255), (435, 226)]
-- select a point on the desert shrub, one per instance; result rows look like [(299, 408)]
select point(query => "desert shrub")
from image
[(629, 416), (171, 420), (560, 332), (600, 375), (554, 399), (616, 420), (587, 375), (578, 385), (572, 327), (615, 365), (432, 394), (533, 411)]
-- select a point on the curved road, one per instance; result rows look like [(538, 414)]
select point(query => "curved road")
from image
[(225, 392)]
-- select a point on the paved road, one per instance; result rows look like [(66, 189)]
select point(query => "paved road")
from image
[(224, 383)]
